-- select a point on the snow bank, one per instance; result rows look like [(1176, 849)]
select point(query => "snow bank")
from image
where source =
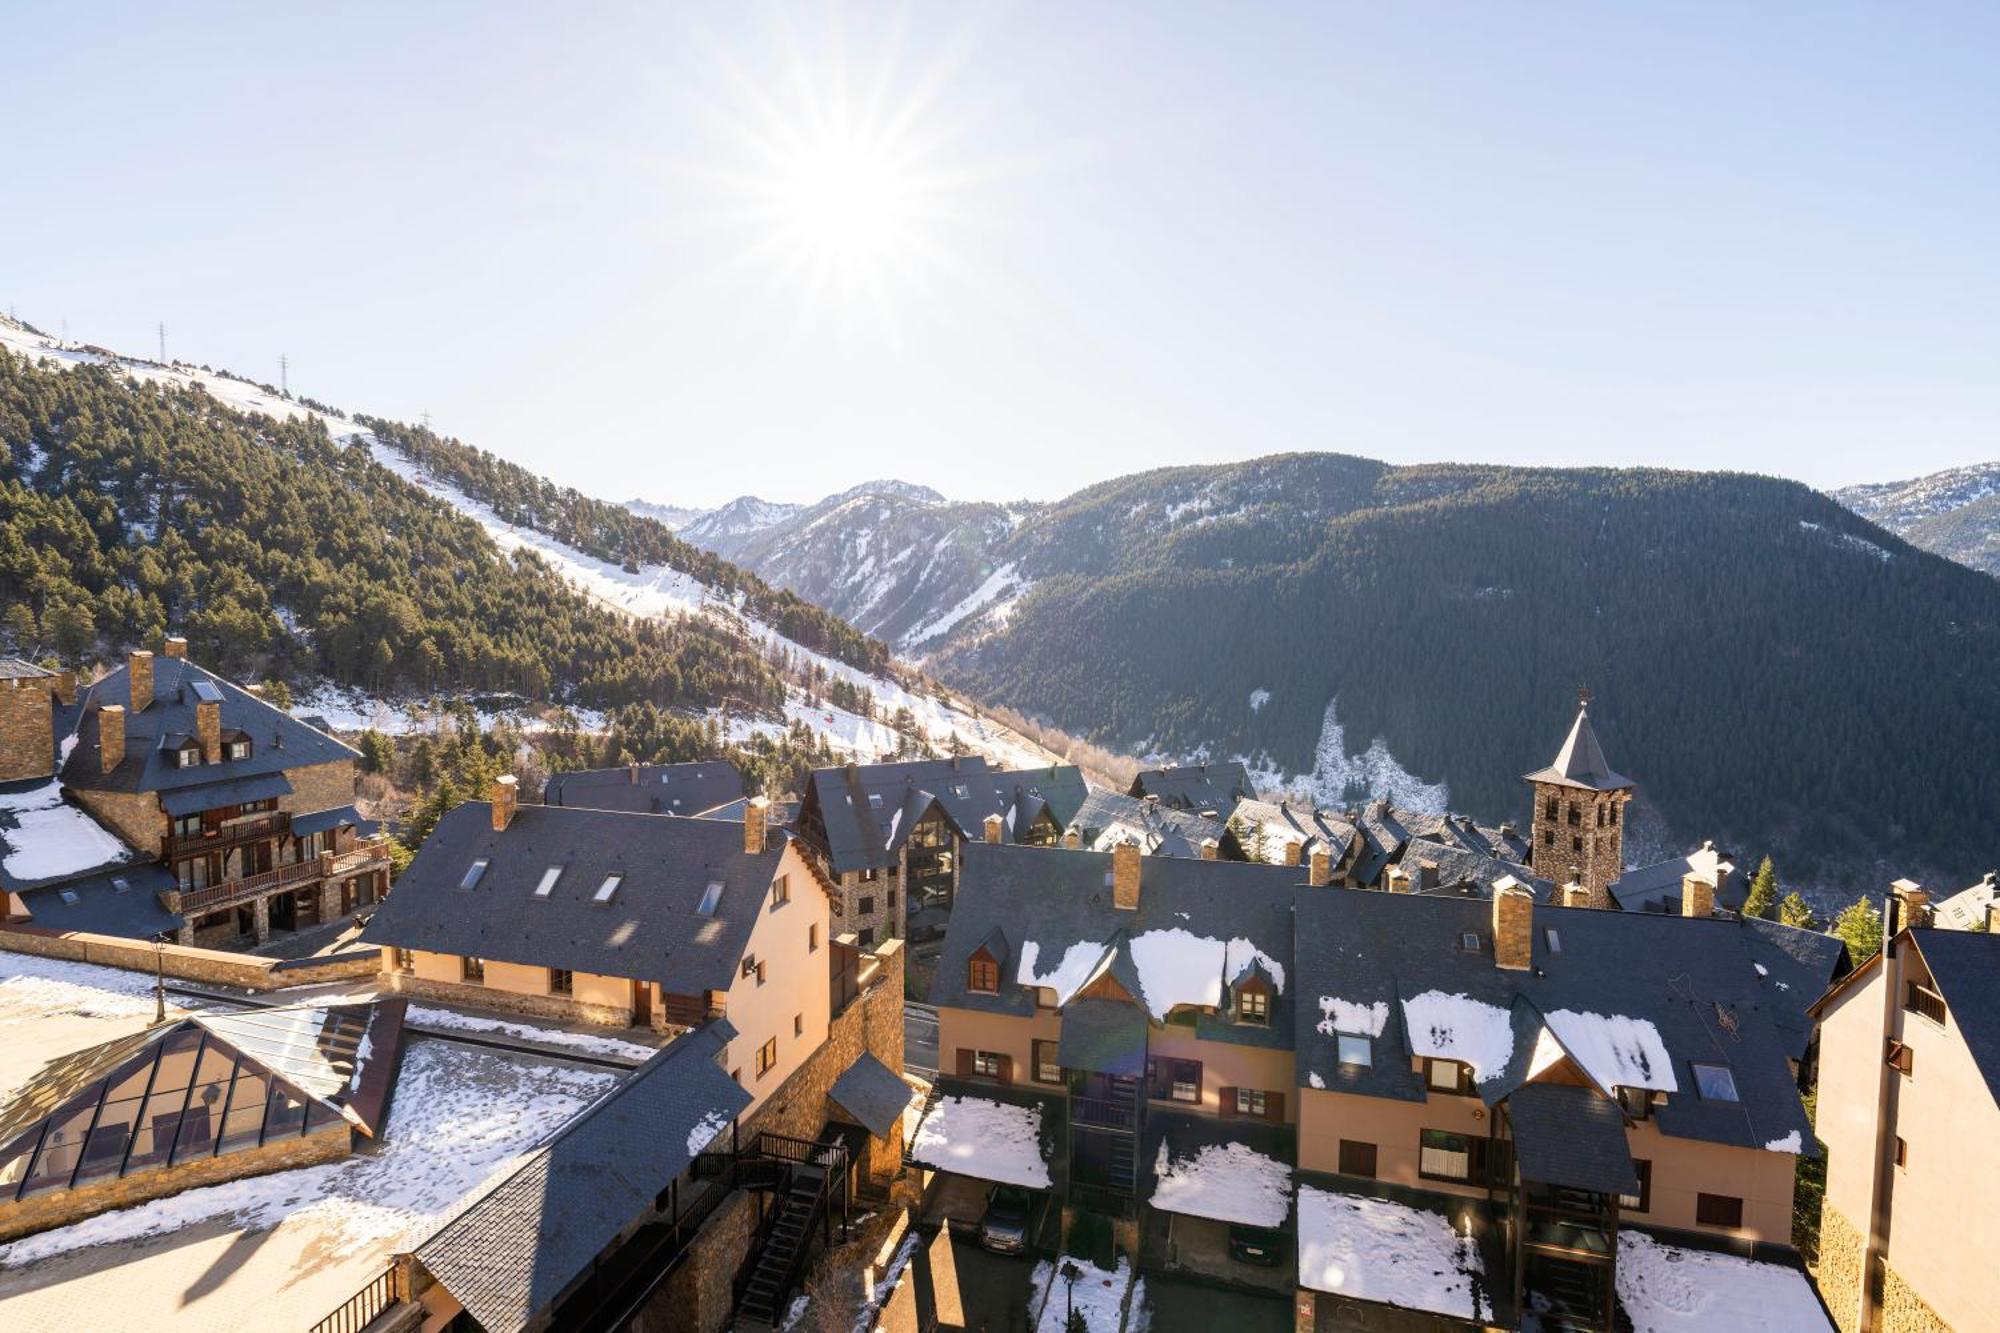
[(1356, 1020), (1458, 1027), (1376, 1250), (1615, 1050), (1227, 1182), (1099, 1297), (1667, 1289), (52, 839), (32, 987), (990, 1140)]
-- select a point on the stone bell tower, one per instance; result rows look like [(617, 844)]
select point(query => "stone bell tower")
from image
[(1579, 825)]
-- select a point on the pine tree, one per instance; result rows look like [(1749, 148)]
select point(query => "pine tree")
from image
[(1763, 899), (1861, 927), (1794, 912), (378, 752)]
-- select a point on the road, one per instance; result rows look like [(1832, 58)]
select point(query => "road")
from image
[(920, 1038)]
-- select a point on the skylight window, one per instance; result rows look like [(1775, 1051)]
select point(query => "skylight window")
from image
[(1355, 1051), (875, 800), (120, 884), (68, 896), (472, 874), (548, 884), (1715, 1083), (1469, 941), (958, 789), (710, 896), (1555, 940), (609, 888)]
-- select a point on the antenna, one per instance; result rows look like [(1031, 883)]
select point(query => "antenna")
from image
[(284, 371), (163, 342)]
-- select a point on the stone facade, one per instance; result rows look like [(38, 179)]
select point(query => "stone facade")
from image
[(62, 1207), (27, 729), (1840, 1277), (878, 906), (560, 1008), (1579, 835), (319, 787), (213, 966), (700, 1296), (135, 817)]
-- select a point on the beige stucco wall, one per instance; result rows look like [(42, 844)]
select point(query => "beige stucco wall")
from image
[(1684, 1168), (1003, 1034), (1850, 1052), (517, 986), (1325, 1118), (796, 982), (1224, 1065)]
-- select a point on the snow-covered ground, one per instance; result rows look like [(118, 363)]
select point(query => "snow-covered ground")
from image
[(1335, 772), (1667, 1289), (44, 837), (1377, 1250), (998, 585), (1229, 1182), (1099, 1296), (424, 1016), (989, 1140), (1847, 540)]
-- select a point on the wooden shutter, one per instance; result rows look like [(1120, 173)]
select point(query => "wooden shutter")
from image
[(1274, 1107), (1226, 1101), (1006, 1069), (964, 1063)]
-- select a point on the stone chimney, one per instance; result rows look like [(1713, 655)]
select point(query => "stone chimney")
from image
[(993, 827), (139, 671), (1125, 876), (175, 646), (1209, 848), (632, 772), (65, 686), (756, 816), (27, 729), (1396, 880), (1576, 895), (110, 736), (208, 727), (1319, 868), (1513, 924), (1072, 837), (1697, 896), (506, 799), (1427, 875), (1913, 904), (1292, 852)]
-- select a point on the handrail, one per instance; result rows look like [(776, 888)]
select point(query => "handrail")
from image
[(323, 866), (360, 1309), (228, 835)]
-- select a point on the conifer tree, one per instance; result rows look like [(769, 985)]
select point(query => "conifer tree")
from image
[(1763, 899), (1861, 927), (1794, 912)]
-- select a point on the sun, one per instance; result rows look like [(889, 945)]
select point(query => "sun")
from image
[(848, 200)]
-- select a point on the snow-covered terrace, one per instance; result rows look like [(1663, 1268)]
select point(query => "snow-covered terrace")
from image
[(990, 1140), (1371, 1249), (1226, 1182), (1668, 1289)]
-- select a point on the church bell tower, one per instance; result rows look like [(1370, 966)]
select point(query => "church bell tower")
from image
[(1579, 824)]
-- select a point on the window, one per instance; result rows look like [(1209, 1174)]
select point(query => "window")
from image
[(1451, 1076), (812, 938), (710, 896), (472, 969), (1921, 999), (1548, 837), (1576, 844), (1549, 807), (472, 874), (68, 896), (1614, 816), (405, 960), (1901, 1058), (1635, 1102), (609, 889), (983, 975), (1171, 1080), (1555, 940), (1253, 1005), (866, 907), (986, 1064), (767, 1057), (874, 800), (548, 881), (1643, 1200), (1251, 1101), (236, 750), (1045, 998), (1902, 1152), (1718, 1210), (1357, 1158), (1468, 941), (1575, 815), (865, 937), (781, 891), (561, 982), (1442, 1156), (187, 826), (798, 1025), (760, 974), (870, 875), (1048, 1063), (1354, 1051), (1715, 1083)]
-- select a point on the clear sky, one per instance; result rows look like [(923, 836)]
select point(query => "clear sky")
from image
[(685, 252)]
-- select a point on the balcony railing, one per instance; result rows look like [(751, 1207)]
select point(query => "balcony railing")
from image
[(1100, 1114), (324, 866), (232, 834)]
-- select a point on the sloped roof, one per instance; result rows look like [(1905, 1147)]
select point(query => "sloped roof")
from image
[(510, 1252), (862, 813), (1106, 817), (871, 1092), (1965, 964), (1966, 909), (13, 668), (1567, 1135), (229, 791), (1104, 1036), (1794, 967), (1466, 873), (1060, 787), (278, 741), (119, 901), (650, 929), (648, 789), (1657, 887), (1197, 787), (1263, 828), (1580, 762), (46, 839)]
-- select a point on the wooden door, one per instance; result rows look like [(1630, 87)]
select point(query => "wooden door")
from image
[(642, 1004)]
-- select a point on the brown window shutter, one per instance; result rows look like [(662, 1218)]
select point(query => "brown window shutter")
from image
[(964, 1063), (1226, 1101), (1006, 1069), (1274, 1107)]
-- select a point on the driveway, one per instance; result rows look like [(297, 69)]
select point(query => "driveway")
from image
[(994, 1289), (920, 1038), (1174, 1305)]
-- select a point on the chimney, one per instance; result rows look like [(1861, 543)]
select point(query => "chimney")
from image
[(1072, 837), (111, 736), (1396, 880), (1319, 872), (1427, 875), (139, 672), (756, 814), (506, 798), (1209, 847), (1292, 852), (992, 827), (1914, 905), (176, 646), (1697, 896), (1125, 876), (632, 772), (208, 726), (65, 686), (1993, 917), (1513, 924), (1576, 895)]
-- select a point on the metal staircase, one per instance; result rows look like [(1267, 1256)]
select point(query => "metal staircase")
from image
[(804, 1177)]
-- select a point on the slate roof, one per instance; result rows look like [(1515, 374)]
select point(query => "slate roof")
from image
[(1464, 873), (852, 812), (1107, 818), (36, 809), (229, 791), (1385, 832), (278, 741), (511, 1252), (101, 907), (648, 789), (1104, 1036), (1567, 1135), (1580, 762), (1197, 787), (321, 821), (1965, 964), (1262, 828), (1060, 788), (871, 1092), (1966, 909), (1009, 896), (13, 668), (1657, 887), (1798, 965), (650, 930), (1691, 980)]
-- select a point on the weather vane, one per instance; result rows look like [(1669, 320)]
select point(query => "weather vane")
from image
[(1583, 696)]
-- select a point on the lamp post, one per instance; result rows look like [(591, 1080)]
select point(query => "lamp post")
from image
[(159, 979), (1070, 1273)]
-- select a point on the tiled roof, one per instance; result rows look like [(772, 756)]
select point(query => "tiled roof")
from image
[(1568, 1135), (648, 789), (508, 1254), (650, 928)]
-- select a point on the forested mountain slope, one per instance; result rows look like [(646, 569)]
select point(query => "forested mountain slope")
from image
[(1955, 513)]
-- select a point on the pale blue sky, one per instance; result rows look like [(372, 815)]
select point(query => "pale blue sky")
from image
[(628, 246)]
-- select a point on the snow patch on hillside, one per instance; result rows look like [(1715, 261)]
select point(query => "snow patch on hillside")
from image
[(997, 584), (1849, 540), (1337, 777)]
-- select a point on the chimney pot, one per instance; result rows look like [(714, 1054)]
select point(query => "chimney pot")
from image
[(756, 815), (1914, 902), (993, 827), (1396, 880), (139, 675), (632, 772), (1125, 876), (175, 646), (111, 736), (506, 798), (1292, 852), (1320, 867), (1697, 896), (1513, 924), (1072, 837), (1209, 848), (1576, 895), (65, 686)]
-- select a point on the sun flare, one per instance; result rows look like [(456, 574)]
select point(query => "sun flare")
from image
[(846, 199)]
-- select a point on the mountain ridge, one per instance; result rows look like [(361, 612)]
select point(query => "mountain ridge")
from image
[(1954, 513)]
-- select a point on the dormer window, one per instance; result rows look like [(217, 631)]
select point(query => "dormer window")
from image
[(188, 756), (1715, 1083), (238, 749), (472, 874), (1253, 1002), (982, 974), (608, 889), (1635, 1102)]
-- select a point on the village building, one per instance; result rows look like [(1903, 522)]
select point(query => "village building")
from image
[(1037, 805), (648, 789), (1578, 833), (167, 801), (1909, 1109), (1205, 789), (1968, 909), (1107, 819)]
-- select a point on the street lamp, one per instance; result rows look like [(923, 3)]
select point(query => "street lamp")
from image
[(1070, 1273), (159, 979)]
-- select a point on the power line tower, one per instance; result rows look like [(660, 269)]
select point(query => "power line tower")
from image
[(163, 342), (284, 375)]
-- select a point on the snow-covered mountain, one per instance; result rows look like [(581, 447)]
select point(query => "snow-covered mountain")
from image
[(640, 590), (1955, 513)]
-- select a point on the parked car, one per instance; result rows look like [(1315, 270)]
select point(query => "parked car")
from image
[(1256, 1245), (1004, 1228)]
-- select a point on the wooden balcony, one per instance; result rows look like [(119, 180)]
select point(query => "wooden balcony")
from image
[(174, 847), (372, 854)]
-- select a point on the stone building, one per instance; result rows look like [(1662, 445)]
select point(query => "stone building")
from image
[(1578, 835)]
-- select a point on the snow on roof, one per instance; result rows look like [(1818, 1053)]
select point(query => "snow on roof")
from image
[(1068, 976), (705, 1130), (1179, 967), (1792, 1143), (1458, 1027), (1244, 955), (1379, 1250), (1667, 1289), (1358, 1020), (1616, 1051), (1229, 1182), (990, 1140), (51, 839)]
